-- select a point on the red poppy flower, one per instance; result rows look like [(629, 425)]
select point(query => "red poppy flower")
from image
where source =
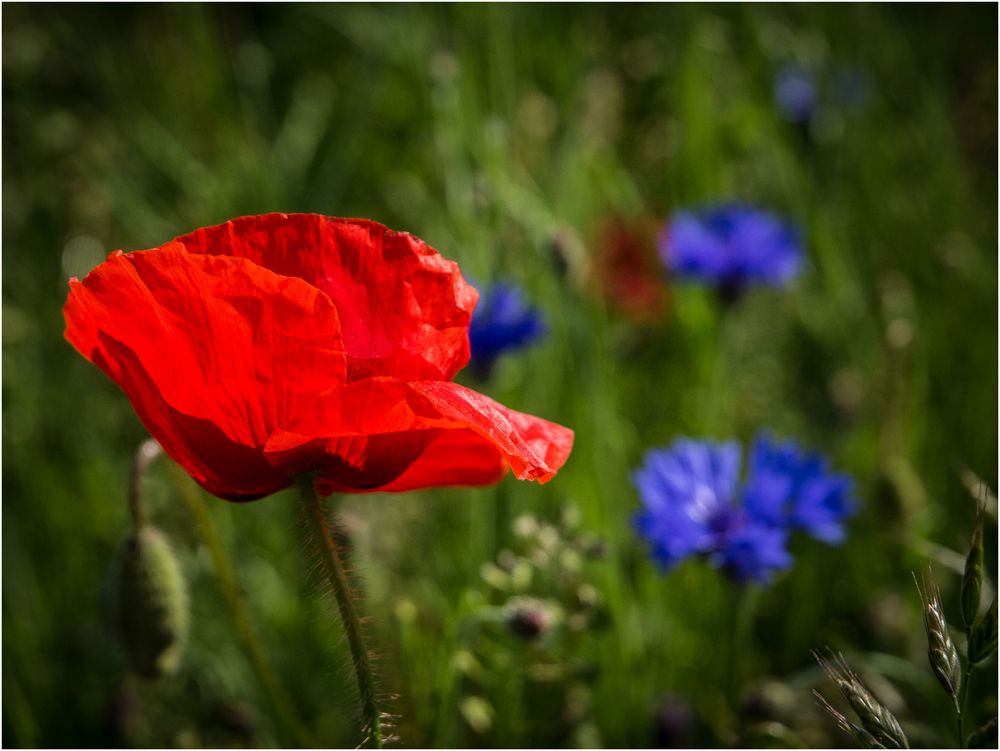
[(281, 344)]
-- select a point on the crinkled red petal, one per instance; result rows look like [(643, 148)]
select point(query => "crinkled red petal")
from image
[(404, 308), (213, 352), (386, 435), (534, 448)]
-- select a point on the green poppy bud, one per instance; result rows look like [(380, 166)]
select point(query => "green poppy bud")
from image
[(148, 603)]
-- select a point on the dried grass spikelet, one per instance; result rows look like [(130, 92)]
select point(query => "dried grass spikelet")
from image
[(941, 651), (877, 721), (862, 736)]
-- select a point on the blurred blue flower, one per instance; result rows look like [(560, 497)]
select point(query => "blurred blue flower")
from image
[(503, 320), (693, 504), (731, 245), (795, 93)]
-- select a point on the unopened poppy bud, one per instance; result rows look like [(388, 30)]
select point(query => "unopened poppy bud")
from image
[(983, 637), (972, 581), (148, 604)]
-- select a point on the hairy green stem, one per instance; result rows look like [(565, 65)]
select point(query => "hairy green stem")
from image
[(961, 700), (233, 594), (333, 566)]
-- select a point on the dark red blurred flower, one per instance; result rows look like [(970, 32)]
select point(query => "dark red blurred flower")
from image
[(626, 270), (282, 344)]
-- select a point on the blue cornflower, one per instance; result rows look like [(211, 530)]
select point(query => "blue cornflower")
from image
[(502, 320), (731, 245), (693, 504), (795, 93)]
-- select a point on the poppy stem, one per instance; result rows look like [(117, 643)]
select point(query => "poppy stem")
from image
[(333, 567)]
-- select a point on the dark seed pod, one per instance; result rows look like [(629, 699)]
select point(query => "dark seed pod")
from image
[(148, 603)]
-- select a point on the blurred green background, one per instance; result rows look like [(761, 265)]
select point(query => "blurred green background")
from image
[(507, 136)]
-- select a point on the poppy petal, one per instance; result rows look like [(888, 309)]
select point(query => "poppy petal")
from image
[(384, 434), (404, 308), (452, 457), (222, 466), (213, 352), (534, 448)]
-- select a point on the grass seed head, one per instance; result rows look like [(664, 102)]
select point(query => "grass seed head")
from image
[(862, 736), (941, 651), (876, 720)]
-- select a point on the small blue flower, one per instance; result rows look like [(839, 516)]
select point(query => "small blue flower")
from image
[(731, 245), (694, 505), (795, 93), (502, 321)]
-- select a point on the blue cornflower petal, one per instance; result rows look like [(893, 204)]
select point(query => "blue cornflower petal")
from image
[(772, 479), (825, 500), (731, 245), (788, 487), (687, 493), (754, 552), (502, 321)]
